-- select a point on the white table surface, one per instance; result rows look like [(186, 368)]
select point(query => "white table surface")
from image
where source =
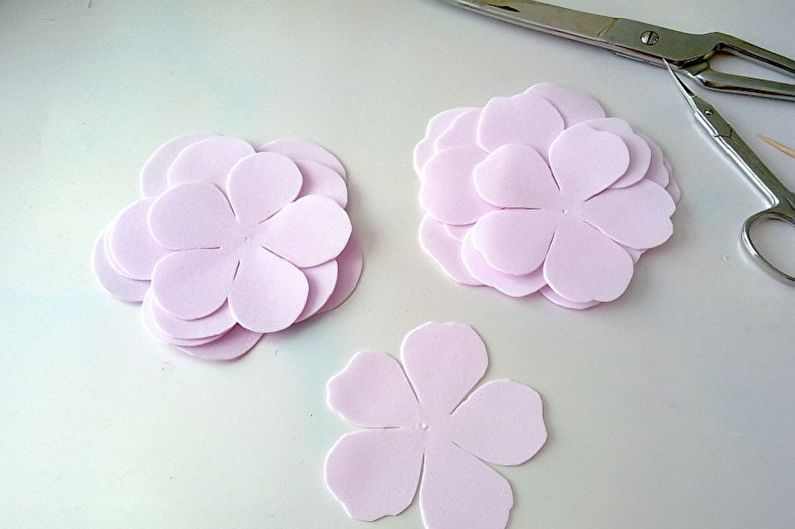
[(671, 408)]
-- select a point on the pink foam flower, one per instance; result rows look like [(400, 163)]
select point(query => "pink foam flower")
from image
[(423, 426)]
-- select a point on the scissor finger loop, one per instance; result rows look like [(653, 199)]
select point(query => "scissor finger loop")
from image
[(780, 213)]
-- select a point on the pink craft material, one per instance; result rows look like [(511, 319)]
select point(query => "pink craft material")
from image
[(541, 192)]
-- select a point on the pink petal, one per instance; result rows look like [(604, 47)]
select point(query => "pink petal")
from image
[(639, 150), (349, 270), (425, 149), (374, 473), (457, 232), (674, 190), (443, 362), (461, 133), (322, 280), (151, 324), (229, 346), (511, 285), (260, 185), (192, 284), (445, 250), (130, 242), (448, 191), (500, 422), (574, 106), (307, 232), (191, 216), (658, 172), (320, 180), (373, 392), (214, 324), (585, 265), (637, 216), (526, 119), (515, 241), (208, 161), (460, 492), (153, 175), (114, 284), (516, 176), (269, 293), (586, 161), (559, 300), (305, 150)]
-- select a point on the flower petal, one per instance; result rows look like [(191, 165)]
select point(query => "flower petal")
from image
[(323, 181), (349, 270), (425, 149), (585, 161), (322, 280), (636, 216), (307, 232), (573, 105), (208, 161), (461, 133), (640, 153), (659, 172), (374, 473), (214, 324), (269, 293), (191, 216), (130, 242), (229, 346), (516, 176), (515, 241), (511, 285), (674, 190), (261, 184), (459, 491), (526, 119), (373, 392), (457, 232), (111, 281), (305, 150), (500, 422), (585, 265), (445, 250), (151, 324), (448, 191), (560, 301), (154, 179), (192, 284), (443, 362)]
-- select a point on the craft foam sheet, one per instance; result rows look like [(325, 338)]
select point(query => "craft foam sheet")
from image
[(542, 193), (428, 431), (229, 243)]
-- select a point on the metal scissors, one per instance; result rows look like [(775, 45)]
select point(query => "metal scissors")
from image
[(782, 200), (648, 43)]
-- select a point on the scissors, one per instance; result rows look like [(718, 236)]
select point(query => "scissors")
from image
[(651, 44), (782, 200)]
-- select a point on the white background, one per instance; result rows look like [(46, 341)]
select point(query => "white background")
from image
[(672, 407)]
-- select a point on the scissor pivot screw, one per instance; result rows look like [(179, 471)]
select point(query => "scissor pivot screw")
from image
[(650, 38)]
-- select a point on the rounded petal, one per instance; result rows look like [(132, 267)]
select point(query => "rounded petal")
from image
[(229, 346), (130, 242), (425, 149), (457, 232), (297, 149), (111, 281), (192, 216), (261, 184), (573, 105), (373, 392), (516, 176), (214, 324), (321, 279), (510, 285), (500, 422), (269, 293), (460, 491), (323, 181), (640, 153), (208, 161), (585, 265), (674, 190), (157, 332), (154, 180), (586, 161), (374, 473), (526, 119), (192, 284), (560, 301), (515, 241), (461, 133), (443, 362), (659, 172), (445, 250), (307, 232), (448, 192), (349, 270)]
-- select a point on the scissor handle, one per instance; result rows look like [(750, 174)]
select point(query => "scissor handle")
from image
[(780, 213)]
